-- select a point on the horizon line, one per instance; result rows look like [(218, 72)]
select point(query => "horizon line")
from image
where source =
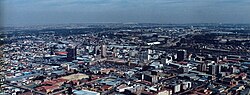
[(33, 25)]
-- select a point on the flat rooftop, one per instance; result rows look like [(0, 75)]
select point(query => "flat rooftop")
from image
[(75, 77), (85, 92)]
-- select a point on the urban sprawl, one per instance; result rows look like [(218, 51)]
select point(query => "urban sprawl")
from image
[(126, 59)]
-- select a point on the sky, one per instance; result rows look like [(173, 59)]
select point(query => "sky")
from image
[(37, 12)]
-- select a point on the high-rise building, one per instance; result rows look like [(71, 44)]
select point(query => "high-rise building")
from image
[(150, 78), (176, 87), (72, 53), (184, 69), (181, 55), (218, 69), (214, 69), (202, 67), (233, 69), (52, 50), (186, 85), (103, 51), (97, 50), (149, 52), (114, 54)]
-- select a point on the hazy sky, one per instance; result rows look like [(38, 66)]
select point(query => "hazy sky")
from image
[(30, 12)]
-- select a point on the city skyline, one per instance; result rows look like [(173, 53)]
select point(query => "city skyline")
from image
[(124, 47), (37, 12)]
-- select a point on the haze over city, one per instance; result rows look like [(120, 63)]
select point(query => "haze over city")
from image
[(36, 12)]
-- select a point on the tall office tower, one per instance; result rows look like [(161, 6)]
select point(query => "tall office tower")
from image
[(214, 69), (103, 51), (233, 69), (202, 67), (114, 54), (218, 69), (181, 55), (71, 55), (149, 54), (184, 69), (97, 50), (52, 50)]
